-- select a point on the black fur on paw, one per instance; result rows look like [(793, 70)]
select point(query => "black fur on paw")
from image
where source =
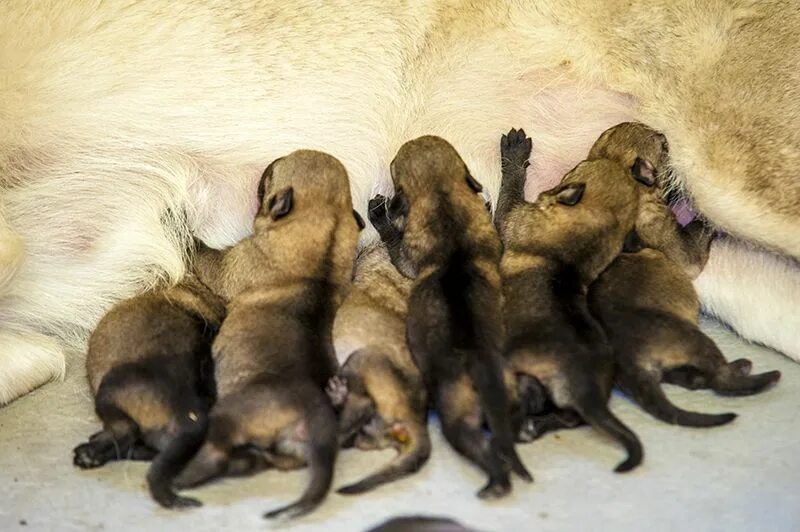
[(515, 148)]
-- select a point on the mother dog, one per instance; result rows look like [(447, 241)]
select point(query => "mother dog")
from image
[(125, 127)]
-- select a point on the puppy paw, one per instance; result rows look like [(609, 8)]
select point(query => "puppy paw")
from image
[(89, 455), (337, 390), (515, 148), (376, 209)]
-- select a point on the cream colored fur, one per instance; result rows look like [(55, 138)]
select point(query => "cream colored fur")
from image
[(126, 126)]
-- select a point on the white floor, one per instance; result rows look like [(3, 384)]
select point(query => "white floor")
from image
[(745, 476)]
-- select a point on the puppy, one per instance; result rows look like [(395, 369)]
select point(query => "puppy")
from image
[(150, 369), (379, 390), (440, 234), (648, 308), (554, 248), (655, 224), (274, 352)]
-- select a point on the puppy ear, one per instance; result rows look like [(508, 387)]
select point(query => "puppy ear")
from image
[(570, 194), (473, 183), (359, 220), (265, 177), (281, 203), (644, 172), (398, 206)]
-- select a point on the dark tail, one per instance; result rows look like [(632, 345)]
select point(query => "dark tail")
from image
[(191, 432), (648, 393), (411, 458), (323, 445), (485, 308), (595, 411)]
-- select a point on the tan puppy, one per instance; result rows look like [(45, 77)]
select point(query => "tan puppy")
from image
[(274, 352), (150, 369), (655, 224), (379, 389), (440, 233), (554, 248)]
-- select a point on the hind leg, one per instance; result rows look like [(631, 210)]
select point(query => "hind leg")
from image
[(118, 441), (470, 442), (537, 426)]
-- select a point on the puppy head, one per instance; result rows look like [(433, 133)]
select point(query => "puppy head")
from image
[(305, 180), (429, 163), (629, 141)]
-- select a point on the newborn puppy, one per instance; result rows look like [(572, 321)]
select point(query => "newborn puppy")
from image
[(150, 369), (648, 308), (554, 248), (655, 223), (274, 352), (379, 390), (440, 234)]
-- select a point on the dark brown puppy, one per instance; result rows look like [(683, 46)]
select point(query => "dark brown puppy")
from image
[(554, 248), (274, 352), (649, 308), (149, 366), (440, 234), (379, 389)]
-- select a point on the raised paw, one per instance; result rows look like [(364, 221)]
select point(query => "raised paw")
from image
[(337, 390), (376, 209), (515, 148)]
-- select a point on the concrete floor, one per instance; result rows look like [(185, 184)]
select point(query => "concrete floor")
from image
[(743, 476)]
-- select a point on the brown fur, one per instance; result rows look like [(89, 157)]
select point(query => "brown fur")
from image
[(649, 310), (274, 352), (554, 248), (149, 366), (440, 233), (379, 389), (655, 223)]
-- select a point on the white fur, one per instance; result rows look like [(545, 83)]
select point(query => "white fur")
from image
[(750, 304), (27, 361), (126, 126)]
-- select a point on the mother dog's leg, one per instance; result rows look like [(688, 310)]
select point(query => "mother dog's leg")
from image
[(755, 291)]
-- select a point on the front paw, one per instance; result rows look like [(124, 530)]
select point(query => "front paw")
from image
[(376, 210), (515, 148)]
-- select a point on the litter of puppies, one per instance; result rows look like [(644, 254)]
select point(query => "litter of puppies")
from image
[(276, 352)]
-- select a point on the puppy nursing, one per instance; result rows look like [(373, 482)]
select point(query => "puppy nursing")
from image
[(554, 248), (379, 391), (440, 234), (274, 352), (649, 308), (523, 328), (149, 366)]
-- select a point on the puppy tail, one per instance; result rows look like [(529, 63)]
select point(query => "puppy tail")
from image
[(595, 411), (323, 445), (648, 393), (191, 430), (412, 457), (487, 370)]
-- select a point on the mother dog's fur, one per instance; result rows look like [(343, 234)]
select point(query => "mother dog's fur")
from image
[(124, 127)]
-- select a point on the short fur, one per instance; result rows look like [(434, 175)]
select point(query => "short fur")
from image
[(554, 248), (440, 233), (113, 113), (649, 310), (149, 366), (379, 389), (274, 352)]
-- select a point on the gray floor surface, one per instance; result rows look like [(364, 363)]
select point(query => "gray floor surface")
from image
[(744, 476)]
